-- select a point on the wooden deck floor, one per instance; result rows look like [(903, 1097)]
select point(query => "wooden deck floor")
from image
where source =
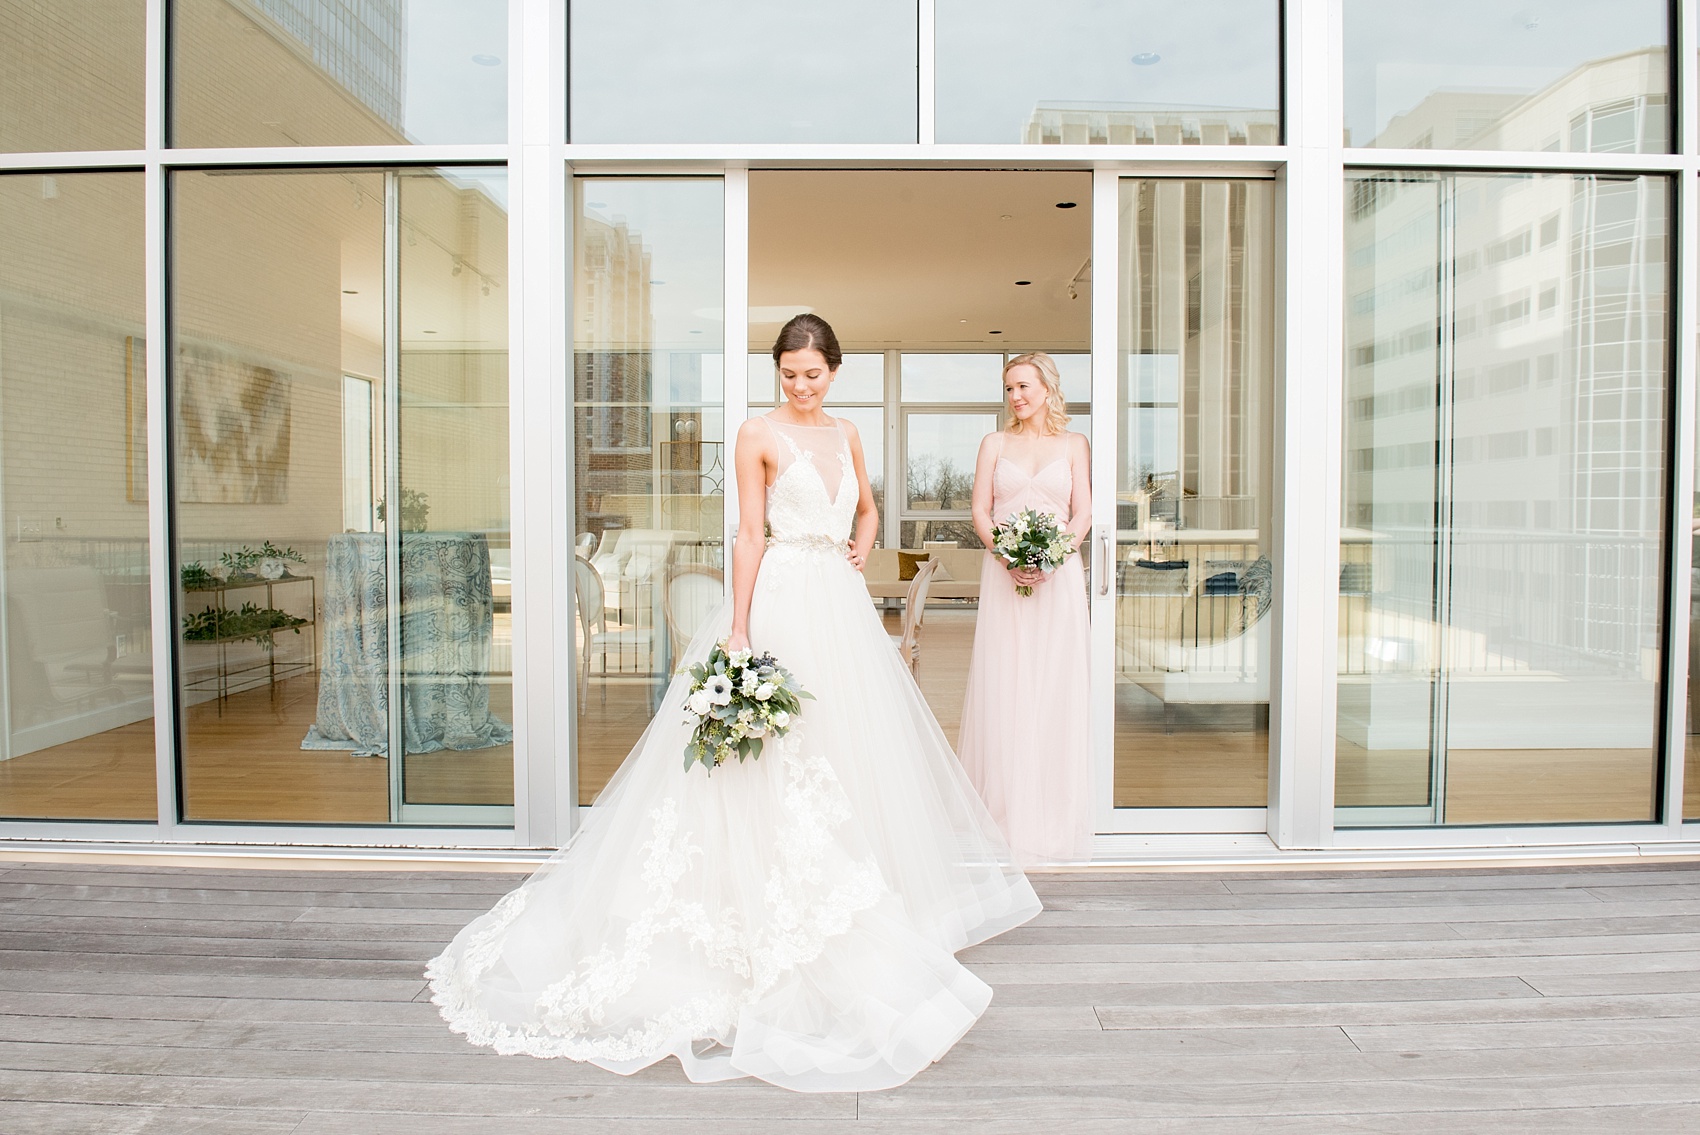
[(146, 1000)]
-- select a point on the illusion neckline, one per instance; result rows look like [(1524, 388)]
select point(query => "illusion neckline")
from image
[(832, 425)]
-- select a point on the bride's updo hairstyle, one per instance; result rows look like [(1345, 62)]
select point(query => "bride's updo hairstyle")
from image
[(1056, 407), (808, 332)]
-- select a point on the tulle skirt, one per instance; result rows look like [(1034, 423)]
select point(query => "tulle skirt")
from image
[(1025, 738), (792, 918)]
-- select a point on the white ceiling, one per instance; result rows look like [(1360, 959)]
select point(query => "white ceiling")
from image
[(923, 259)]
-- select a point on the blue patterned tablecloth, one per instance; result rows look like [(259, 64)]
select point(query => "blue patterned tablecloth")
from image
[(447, 618)]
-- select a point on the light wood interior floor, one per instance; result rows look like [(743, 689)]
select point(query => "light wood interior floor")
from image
[(243, 761), (1508, 786)]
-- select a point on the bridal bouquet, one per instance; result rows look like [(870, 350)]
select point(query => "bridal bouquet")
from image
[(737, 700), (1031, 539)]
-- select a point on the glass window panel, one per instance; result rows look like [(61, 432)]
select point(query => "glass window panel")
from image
[(71, 74), (1592, 75), (1501, 666), (684, 71), (1145, 72), (338, 73), (1691, 770), (939, 455), (1076, 372), (1194, 602), (285, 525), (870, 426), (78, 710), (456, 529), (650, 445), (953, 378)]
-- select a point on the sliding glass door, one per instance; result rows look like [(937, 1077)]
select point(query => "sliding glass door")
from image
[(1183, 589)]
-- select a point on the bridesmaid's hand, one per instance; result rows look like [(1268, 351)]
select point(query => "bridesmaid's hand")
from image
[(1028, 577)]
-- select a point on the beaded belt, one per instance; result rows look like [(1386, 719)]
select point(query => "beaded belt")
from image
[(810, 543)]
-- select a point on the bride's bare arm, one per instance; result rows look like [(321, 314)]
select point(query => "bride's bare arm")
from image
[(754, 455), (867, 513)]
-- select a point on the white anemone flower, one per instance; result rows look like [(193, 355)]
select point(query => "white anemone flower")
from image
[(718, 688)]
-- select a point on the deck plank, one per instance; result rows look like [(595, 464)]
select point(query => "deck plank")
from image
[(282, 1002)]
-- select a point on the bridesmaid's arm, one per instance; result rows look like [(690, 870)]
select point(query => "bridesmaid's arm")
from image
[(753, 456), (1080, 504), (984, 465), (867, 513)]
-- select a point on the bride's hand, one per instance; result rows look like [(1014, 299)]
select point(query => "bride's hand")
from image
[(737, 641), (857, 560)]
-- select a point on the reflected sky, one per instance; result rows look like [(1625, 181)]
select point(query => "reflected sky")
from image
[(998, 58), (457, 71), (759, 71), (1396, 55)]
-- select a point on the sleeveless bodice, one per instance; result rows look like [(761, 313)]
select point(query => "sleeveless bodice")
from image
[(812, 500), (1051, 489)]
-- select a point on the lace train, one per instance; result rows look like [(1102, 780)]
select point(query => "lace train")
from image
[(792, 918)]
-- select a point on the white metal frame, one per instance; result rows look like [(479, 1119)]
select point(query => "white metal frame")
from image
[(1309, 167)]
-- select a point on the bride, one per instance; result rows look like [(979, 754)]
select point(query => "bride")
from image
[(792, 918)]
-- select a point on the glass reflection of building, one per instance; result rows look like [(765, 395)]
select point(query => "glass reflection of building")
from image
[(361, 44), (1506, 392)]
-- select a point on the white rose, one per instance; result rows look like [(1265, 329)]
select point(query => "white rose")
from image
[(764, 691), (781, 720), (699, 703)]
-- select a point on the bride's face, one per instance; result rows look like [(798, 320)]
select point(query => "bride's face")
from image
[(804, 376)]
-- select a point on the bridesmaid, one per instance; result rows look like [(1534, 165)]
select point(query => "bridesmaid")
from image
[(1024, 738)]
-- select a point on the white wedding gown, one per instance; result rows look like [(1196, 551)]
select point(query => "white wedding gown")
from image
[(792, 918)]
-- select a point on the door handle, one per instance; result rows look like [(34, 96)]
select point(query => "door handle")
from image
[(1107, 559)]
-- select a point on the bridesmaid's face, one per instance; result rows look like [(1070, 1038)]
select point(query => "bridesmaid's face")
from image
[(804, 376), (1024, 390)]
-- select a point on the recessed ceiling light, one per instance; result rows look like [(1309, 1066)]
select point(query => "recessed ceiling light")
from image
[(349, 292), (1023, 283), (962, 321), (487, 60), (1146, 59), (1065, 204), (1007, 217)]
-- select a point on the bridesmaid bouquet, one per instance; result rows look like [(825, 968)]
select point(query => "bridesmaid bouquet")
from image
[(737, 701), (1031, 539)]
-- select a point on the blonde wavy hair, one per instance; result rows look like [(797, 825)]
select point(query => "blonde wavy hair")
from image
[(1056, 408)]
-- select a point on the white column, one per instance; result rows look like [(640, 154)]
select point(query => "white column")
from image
[(540, 425), (1307, 432), (162, 582), (735, 302), (1685, 210)]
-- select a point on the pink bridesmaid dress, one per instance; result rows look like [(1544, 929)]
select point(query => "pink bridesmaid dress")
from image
[(1025, 740)]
